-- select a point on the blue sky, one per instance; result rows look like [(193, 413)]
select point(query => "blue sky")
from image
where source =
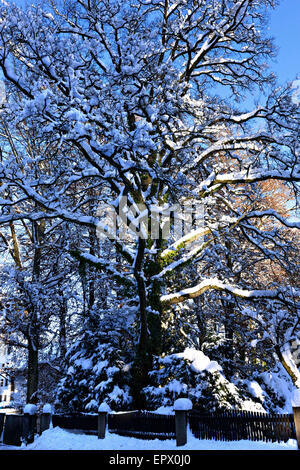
[(285, 28)]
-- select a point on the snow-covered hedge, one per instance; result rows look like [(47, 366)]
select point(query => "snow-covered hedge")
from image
[(193, 375)]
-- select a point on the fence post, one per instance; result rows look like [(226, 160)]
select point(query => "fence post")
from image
[(29, 423), (296, 413), (45, 419), (13, 430), (102, 419), (181, 408)]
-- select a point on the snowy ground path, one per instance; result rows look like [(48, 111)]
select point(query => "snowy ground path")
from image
[(59, 439)]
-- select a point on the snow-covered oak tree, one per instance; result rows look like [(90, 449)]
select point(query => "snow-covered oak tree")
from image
[(134, 97)]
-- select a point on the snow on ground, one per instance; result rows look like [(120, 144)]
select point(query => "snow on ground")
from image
[(60, 439)]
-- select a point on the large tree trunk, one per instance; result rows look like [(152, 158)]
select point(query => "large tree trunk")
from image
[(62, 328), (151, 310), (141, 289), (229, 337), (141, 366), (32, 373), (155, 313), (201, 323), (33, 327)]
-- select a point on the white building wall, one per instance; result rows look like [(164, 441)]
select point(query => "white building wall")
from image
[(5, 391), (7, 386)]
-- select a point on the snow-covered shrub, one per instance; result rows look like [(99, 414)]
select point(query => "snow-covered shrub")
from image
[(276, 386), (18, 400), (193, 375), (96, 373)]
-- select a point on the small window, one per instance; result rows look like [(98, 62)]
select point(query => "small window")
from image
[(0, 398), (6, 382), (1, 382), (12, 385), (4, 398)]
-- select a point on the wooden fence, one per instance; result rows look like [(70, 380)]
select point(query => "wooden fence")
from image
[(14, 429), (223, 426), (226, 426), (79, 421), (239, 425), (142, 424)]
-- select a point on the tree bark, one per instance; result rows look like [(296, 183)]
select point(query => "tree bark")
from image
[(141, 288), (143, 358), (62, 328), (229, 337), (33, 327), (32, 373)]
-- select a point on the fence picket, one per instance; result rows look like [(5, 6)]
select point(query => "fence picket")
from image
[(286, 427)]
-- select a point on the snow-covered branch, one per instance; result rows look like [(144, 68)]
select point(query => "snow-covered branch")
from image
[(216, 284)]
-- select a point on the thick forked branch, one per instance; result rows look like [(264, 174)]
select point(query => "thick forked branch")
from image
[(209, 284)]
